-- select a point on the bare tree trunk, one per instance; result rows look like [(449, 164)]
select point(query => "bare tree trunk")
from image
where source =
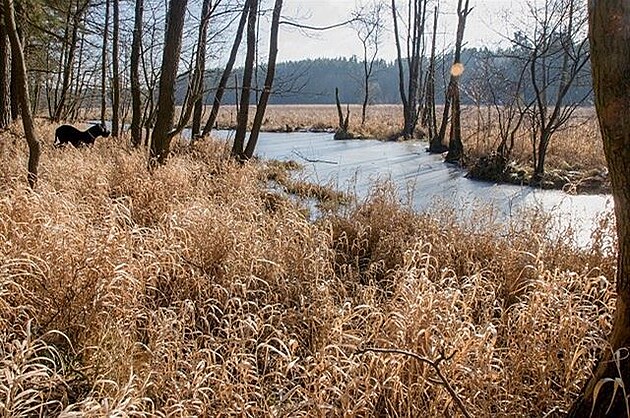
[(5, 77), (271, 70), (69, 64), (115, 69), (401, 73), (161, 137), (610, 57), (243, 111), (104, 64), (136, 101), (194, 92), (13, 91), (200, 68), (344, 122), (455, 146), (429, 119), (22, 89), (218, 96)]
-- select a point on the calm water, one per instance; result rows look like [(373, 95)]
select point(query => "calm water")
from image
[(356, 165)]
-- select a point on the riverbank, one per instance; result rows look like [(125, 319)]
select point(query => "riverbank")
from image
[(197, 290), (575, 160)]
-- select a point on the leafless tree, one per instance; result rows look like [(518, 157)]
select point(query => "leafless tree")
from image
[(161, 137), (238, 147), (218, 96), (557, 56), (5, 75), (415, 45), (115, 68), (368, 23), (452, 102), (429, 118), (104, 62), (606, 394), (75, 13), (17, 55), (271, 70), (136, 95)]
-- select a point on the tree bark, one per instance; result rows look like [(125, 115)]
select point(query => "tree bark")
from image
[(115, 69), (21, 87), (136, 101), (60, 106), (161, 138), (455, 145), (609, 34), (5, 77), (218, 96), (194, 92), (429, 118), (243, 111), (271, 70), (200, 67), (104, 64)]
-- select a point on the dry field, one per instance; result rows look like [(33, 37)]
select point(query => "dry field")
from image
[(197, 291)]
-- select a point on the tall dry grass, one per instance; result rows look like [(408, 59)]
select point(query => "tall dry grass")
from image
[(195, 291)]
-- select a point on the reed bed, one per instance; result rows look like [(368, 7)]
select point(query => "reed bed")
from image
[(197, 291)]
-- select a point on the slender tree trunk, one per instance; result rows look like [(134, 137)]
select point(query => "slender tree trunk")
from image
[(104, 64), (195, 85), (136, 101), (22, 89), (200, 67), (429, 119), (161, 137), (13, 91), (271, 70), (5, 76), (401, 72), (243, 111), (115, 69), (218, 96), (609, 22), (455, 146), (69, 64)]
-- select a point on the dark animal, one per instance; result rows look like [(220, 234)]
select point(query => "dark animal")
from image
[(67, 133)]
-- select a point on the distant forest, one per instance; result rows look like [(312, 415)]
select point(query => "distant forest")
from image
[(313, 81)]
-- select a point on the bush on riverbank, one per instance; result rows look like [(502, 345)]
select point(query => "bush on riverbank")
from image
[(197, 291)]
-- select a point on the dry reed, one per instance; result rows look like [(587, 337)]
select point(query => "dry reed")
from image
[(186, 293)]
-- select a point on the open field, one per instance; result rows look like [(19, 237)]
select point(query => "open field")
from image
[(197, 291)]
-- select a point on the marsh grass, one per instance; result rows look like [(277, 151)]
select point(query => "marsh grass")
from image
[(186, 293)]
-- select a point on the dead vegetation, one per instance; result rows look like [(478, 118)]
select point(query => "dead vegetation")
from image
[(195, 291)]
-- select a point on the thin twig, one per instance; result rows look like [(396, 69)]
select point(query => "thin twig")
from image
[(310, 160), (435, 364), (317, 28)]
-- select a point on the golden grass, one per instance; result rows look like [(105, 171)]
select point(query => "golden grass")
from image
[(185, 293)]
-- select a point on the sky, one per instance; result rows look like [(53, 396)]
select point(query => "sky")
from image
[(486, 26)]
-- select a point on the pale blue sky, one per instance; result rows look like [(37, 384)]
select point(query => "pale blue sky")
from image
[(486, 24)]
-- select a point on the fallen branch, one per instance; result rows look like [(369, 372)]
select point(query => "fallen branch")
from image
[(435, 364), (310, 160)]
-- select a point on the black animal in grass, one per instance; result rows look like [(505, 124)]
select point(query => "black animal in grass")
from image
[(67, 133)]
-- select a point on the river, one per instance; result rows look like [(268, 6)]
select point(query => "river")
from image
[(355, 165)]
